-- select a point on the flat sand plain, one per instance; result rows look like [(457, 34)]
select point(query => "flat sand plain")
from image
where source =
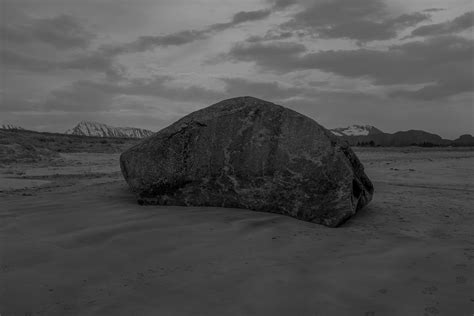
[(75, 242)]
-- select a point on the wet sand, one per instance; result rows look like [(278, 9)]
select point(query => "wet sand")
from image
[(78, 244)]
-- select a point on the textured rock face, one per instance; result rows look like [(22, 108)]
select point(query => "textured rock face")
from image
[(249, 153)]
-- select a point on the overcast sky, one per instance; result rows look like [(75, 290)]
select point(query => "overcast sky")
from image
[(397, 65)]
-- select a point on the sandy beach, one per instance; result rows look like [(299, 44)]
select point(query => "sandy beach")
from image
[(75, 242)]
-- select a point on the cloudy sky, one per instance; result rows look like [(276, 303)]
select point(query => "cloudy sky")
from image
[(397, 65)]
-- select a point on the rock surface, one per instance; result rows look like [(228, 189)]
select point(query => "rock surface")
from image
[(249, 153)]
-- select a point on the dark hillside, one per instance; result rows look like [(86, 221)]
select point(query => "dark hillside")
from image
[(23, 145)]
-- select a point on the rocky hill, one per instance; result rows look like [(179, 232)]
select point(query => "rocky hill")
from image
[(367, 135), (356, 130), (85, 128), (464, 140), (11, 127), (29, 146)]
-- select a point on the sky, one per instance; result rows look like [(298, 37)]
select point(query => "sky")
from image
[(397, 65)]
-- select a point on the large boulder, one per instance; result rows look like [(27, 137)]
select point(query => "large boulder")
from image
[(249, 153)]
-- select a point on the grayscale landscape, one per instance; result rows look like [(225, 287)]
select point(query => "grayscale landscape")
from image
[(75, 242), (252, 157)]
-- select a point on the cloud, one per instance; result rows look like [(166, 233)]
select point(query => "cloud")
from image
[(361, 20), (47, 45), (459, 24), (93, 62), (273, 56), (336, 109), (434, 10), (440, 60), (81, 96), (97, 62), (462, 81), (145, 43), (162, 86), (271, 35), (61, 32), (65, 32), (14, 60), (88, 95), (16, 104), (364, 30), (282, 4), (241, 17), (324, 13)]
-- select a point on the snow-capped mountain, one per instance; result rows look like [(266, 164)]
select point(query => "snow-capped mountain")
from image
[(10, 126), (102, 130), (356, 130)]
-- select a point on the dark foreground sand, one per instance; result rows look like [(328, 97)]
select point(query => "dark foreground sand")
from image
[(74, 242)]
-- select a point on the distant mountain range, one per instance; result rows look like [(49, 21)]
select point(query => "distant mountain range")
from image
[(355, 135), (356, 130), (464, 140), (367, 135), (10, 126), (85, 128)]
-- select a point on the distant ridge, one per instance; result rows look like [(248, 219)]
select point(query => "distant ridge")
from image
[(355, 135), (464, 140), (367, 135), (96, 129), (10, 126), (356, 130)]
